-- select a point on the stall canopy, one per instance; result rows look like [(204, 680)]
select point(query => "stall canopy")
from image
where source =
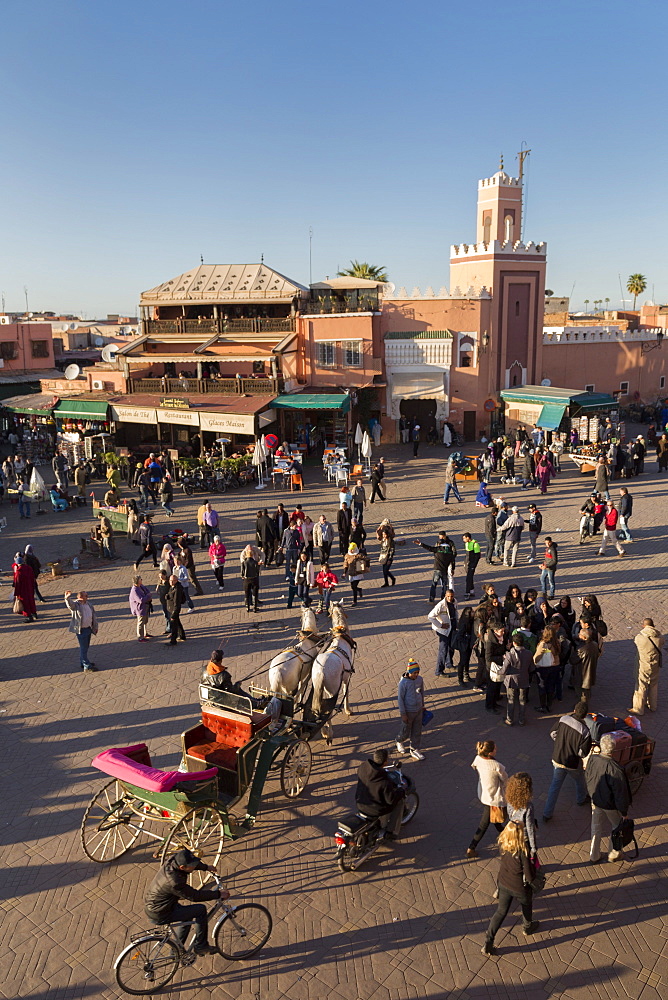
[(37, 404), (551, 398), (550, 416), (82, 409), (313, 401)]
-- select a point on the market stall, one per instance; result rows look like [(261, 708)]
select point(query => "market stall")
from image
[(79, 422), (559, 412), (30, 418)]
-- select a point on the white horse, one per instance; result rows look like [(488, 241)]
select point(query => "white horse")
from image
[(290, 670), (332, 670)]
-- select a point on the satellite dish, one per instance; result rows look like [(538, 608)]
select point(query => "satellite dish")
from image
[(109, 352), (72, 371), (546, 382), (98, 341), (72, 326)]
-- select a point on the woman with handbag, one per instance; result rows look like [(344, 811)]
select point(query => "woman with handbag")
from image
[(547, 659), (353, 568), (492, 778), (516, 873), (140, 606), (217, 554), (496, 646), (386, 557), (24, 589)]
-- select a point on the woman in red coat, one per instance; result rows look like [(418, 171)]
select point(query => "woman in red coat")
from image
[(24, 587)]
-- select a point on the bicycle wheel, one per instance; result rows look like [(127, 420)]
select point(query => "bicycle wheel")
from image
[(202, 831), (147, 965), (109, 828), (243, 931)]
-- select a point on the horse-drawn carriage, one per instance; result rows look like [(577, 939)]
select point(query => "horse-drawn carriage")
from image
[(239, 741)]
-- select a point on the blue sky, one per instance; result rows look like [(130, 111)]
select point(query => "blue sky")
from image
[(138, 136)]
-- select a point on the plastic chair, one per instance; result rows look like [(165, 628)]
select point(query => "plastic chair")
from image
[(296, 482), (358, 470)]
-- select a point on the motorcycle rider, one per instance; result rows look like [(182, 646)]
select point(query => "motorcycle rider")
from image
[(377, 795)]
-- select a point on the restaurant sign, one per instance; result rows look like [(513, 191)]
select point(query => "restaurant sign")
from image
[(178, 416), (133, 414), (239, 423), (175, 403)]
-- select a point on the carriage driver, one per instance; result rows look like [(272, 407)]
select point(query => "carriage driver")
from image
[(377, 795), (161, 903)]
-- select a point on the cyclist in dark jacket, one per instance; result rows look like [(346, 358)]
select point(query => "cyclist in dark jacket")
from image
[(161, 903)]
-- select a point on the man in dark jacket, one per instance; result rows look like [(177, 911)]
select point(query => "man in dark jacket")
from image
[(535, 528), (281, 521), (610, 796), (625, 513), (265, 532), (490, 535), (377, 795), (161, 903), (174, 599), (572, 742), (376, 479), (583, 674), (147, 542), (445, 554), (343, 523)]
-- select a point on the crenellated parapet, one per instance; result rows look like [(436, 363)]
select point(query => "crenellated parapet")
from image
[(463, 251), (472, 292)]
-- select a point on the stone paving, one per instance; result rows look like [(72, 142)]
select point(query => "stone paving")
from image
[(409, 924)]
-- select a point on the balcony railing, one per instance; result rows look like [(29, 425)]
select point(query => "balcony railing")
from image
[(346, 302), (156, 327), (207, 386)]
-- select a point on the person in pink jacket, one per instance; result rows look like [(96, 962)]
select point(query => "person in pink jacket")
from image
[(217, 553), (327, 581)]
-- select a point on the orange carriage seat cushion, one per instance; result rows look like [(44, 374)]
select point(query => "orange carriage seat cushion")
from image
[(215, 755), (228, 729)]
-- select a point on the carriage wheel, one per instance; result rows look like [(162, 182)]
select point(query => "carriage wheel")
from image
[(635, 773), (202, 831), (296, 769), (109, 827)]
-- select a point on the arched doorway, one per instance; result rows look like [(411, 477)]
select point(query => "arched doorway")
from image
[(423, 410)]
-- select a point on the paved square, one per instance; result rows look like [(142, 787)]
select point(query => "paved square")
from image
[(409, 924)]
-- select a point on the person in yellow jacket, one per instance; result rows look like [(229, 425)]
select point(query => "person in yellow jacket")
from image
[(203, 544), (114, 479)]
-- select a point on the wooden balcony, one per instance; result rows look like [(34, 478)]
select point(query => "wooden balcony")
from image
[(207, 386), (157, 327)]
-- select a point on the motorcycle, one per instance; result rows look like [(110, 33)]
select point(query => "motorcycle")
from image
[(196, 482), (358, 836)]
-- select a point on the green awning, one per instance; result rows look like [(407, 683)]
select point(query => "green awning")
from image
[(82, 409), (550, 416), (37, 404), (313, 401)]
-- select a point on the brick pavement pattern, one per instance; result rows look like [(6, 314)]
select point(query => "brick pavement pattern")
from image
[(410, 924)]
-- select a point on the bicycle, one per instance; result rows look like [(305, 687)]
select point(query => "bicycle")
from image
[(153, 957)]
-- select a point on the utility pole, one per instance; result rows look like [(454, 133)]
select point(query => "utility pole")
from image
[(521, 156), (310, 255), (25, 292)]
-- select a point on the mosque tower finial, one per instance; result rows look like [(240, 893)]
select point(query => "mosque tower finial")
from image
[(501, 162)]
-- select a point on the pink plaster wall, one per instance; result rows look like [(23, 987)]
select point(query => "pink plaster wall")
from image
[(22, 334), (605, 366)]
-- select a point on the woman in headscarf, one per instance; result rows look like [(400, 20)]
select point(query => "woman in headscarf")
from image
[(30, 559), (482, 497), (24, 588), (167, 558), (385, 525), (353, 568)]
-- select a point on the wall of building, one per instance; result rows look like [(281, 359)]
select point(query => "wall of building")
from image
[(20, 338), (338, 329), (606, 365)]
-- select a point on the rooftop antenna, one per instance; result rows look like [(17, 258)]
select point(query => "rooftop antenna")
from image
[(501, 162), (3, 302), (25, 292), (521, 156), (201, 258), (310, 255), (262, 258)]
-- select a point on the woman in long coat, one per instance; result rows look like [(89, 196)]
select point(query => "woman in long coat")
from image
[(544, 471), (24, 587)]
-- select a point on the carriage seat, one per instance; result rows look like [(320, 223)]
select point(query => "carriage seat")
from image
[(119, 763), (221, 734)]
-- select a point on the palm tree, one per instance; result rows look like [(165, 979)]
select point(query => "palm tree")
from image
[(636, 285), (586, 305), (371, 272), (607, 304)]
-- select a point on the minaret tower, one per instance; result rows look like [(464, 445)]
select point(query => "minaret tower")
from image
[(513, 273)]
